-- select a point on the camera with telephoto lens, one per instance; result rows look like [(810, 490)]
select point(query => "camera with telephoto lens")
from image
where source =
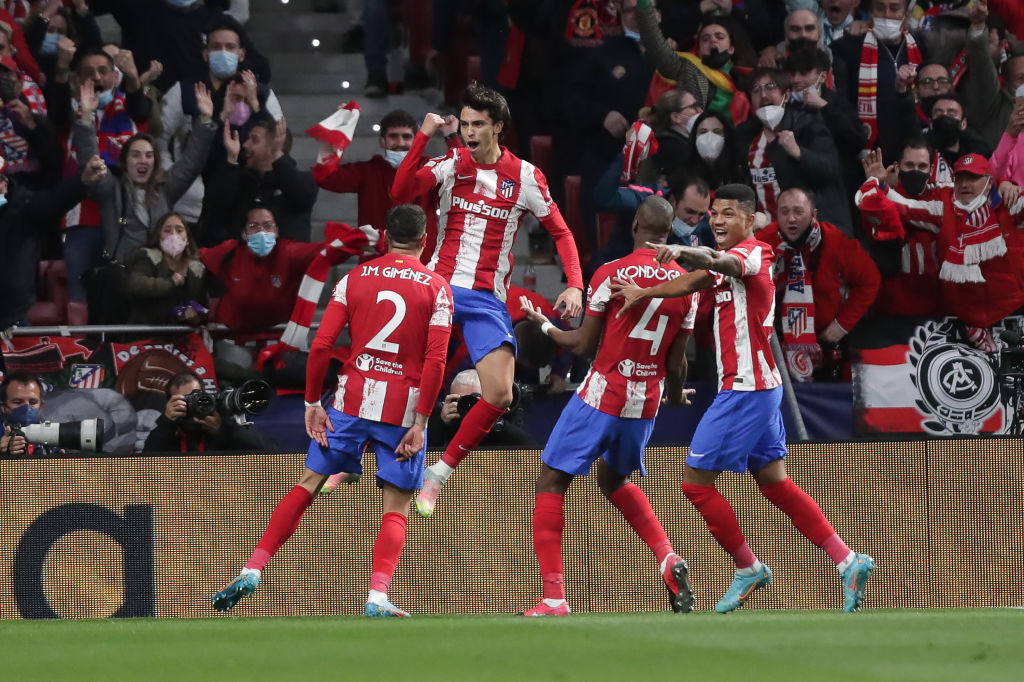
[(519, 393), (252, 397), (85, 435)]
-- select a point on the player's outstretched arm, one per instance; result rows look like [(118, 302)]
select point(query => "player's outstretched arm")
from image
[(699, 258), (632, 293), (582, 341)]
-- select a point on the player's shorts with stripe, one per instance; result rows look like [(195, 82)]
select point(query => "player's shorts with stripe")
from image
[(484, 320), (345, 451), (741, 430), (583, 433)]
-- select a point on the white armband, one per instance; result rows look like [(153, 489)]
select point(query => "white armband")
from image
[(546, 327)]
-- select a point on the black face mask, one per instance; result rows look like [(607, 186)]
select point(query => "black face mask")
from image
[(716, 60), (8, 90), (945, 131), (799, 242), (928, 102), (914, 181)]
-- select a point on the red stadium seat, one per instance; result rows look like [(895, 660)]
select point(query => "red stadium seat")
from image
[(540, 153), (605, 226), (78, 313), (573, 218), (51, 303)]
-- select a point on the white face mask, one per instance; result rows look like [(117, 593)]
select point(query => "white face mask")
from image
[(771, 115), (690, 124), (682, 229), (1020, 91), (709, 146), (393, 157), (975, 203), (173, 245), (887, 30)]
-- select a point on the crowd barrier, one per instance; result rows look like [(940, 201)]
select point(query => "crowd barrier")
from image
[(157, 536)]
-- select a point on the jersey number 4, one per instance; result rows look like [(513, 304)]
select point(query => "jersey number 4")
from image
[(380, 341), (640, 330)]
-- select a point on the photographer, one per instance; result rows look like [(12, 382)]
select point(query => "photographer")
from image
[(445, 419), (21, 402), (177, 431)]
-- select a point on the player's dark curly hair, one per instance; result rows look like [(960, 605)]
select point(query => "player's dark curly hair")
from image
[(477, 97), (741, 193), (405, 225)]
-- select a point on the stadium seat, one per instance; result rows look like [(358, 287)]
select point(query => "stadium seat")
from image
[(78, 313), (605, 227), (473, 68), (574, 219), (540, 153), (51, 303)]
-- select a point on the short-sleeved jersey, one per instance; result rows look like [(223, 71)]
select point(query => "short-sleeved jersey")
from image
[(482, 207), (394, 302), (627, 378), (744, 316)]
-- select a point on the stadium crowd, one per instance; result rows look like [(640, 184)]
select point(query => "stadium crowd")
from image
[(880, 138)]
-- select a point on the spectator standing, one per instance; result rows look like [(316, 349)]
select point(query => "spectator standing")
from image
[(28, 143), (949, 133), (1008, 158), (713, 154), (989, 92), (824, 282)]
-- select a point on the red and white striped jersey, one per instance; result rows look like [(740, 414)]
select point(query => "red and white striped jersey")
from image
[(481, 210), (744, 317), (627, 378), (400, 318)]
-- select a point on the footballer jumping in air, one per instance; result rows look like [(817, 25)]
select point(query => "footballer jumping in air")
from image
[(743, 429), (640, 363), (399, 315), (484, 191)]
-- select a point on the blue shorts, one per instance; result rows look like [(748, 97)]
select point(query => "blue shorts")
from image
[(741, 430), (583, 434), (484, 320), (345, 451)]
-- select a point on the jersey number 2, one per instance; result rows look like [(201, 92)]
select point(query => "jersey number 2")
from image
[(640, 330), (380, 342)]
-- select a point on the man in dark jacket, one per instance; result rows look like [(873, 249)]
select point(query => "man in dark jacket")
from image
[(22, 212), (177, 431), (788, 147)]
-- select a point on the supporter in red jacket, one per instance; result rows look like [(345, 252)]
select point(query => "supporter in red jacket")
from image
[(824, 282), (371, 180), (980, 245), (261, 272), (914, 288)]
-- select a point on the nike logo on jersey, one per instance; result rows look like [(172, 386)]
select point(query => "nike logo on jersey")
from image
[(465, 177)]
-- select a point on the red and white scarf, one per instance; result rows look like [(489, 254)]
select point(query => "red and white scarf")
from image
[(763, 177), (799, 340), (338, 128), (867, 87), (341, 242), (977, 237)]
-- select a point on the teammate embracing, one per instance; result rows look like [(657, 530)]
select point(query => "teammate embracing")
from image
[(640, 363), (399, 316), (743, 429), (484, 191)]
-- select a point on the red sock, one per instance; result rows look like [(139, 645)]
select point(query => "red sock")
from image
[(387, 549), (282, 524), (474, 428), (806, 516), (721, 520), (548, 521), (635, 507)]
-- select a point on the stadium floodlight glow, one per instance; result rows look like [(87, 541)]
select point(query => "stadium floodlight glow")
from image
[(316, 42), (284, 2), (376, 127), (345, 84)]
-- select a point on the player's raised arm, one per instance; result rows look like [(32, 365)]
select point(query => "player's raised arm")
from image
[(631, 293), (413, 179)]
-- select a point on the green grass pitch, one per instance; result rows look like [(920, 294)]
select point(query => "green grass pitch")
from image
[(747, 645)]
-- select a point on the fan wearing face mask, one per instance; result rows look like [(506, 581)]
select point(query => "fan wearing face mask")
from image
[(949, 134), (708, 72), (906, 250), (878, 69), (238, 96), (21, 404), (789, 147), (371, 180), (990, 89), (675, 114), (980, 247), (1008, 158), (166, 279), (713, 151)]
